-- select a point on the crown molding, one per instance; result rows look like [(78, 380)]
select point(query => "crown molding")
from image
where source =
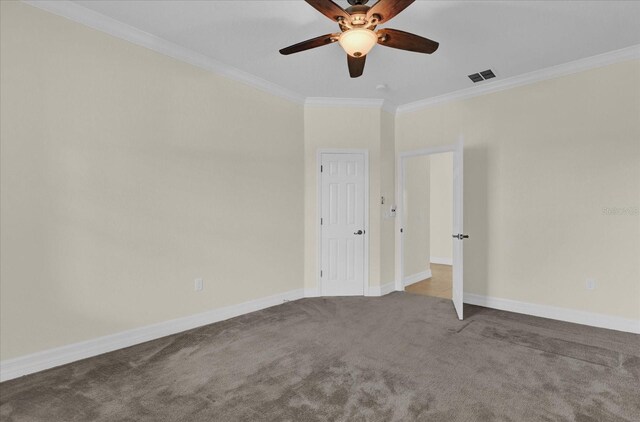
[(378, 103), (343, 102), (100, 22), (616, 56), (95, 20), (390, 107)]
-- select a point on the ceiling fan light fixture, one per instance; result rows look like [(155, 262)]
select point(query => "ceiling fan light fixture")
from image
[(357, 36), (358, 42)]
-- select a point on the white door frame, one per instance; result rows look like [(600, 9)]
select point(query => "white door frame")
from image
[(400, 167), (365, 154)]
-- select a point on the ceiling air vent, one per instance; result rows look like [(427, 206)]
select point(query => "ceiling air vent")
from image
[(488, 74), (476, 77), (482, 76)]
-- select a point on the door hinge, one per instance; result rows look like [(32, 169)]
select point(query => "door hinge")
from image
[(320, 221), (321, 168), (401, 230), (320, 273)]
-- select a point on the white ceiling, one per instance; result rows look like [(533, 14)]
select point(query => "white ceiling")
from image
[(510, 37)]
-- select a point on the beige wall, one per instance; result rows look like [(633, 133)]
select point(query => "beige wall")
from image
[(441, 206), (415, 217), (126, 175), (542, 161), (341, 128)]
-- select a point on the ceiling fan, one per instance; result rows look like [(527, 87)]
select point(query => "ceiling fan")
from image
[(358, 36)]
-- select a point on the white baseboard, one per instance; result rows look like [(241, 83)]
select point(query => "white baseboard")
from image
[(385, 289), (24, 365), (553, 312), (439, 260), (414, 278), (312, 292), (369, 291)]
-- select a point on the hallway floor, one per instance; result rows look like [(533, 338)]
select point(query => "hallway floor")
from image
[(439, 285)]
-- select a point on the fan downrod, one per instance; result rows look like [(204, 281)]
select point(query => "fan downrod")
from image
[(358, 2)]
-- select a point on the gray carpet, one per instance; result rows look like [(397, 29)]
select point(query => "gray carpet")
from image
[(396, 358)]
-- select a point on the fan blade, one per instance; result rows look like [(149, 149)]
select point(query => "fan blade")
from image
[(309, 44), (329, 9), (387, 9), (406, 41), (356, 65)]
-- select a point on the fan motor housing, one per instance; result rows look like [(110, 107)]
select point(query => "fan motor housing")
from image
[(357, 9)]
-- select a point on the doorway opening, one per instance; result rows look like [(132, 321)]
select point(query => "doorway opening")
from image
[(428, 225), (429, 257)]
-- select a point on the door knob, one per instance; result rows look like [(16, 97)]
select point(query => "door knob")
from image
[(359, 232)]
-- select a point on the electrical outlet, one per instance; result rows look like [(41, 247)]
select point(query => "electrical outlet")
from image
[(590, 284), (198, 285)]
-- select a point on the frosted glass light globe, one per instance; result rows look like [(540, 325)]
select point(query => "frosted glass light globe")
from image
[(358, 42)]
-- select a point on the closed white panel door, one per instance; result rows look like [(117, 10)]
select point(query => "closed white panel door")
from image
[(342, 224)]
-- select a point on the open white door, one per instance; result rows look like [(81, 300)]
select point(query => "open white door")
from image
[(458, 229)]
